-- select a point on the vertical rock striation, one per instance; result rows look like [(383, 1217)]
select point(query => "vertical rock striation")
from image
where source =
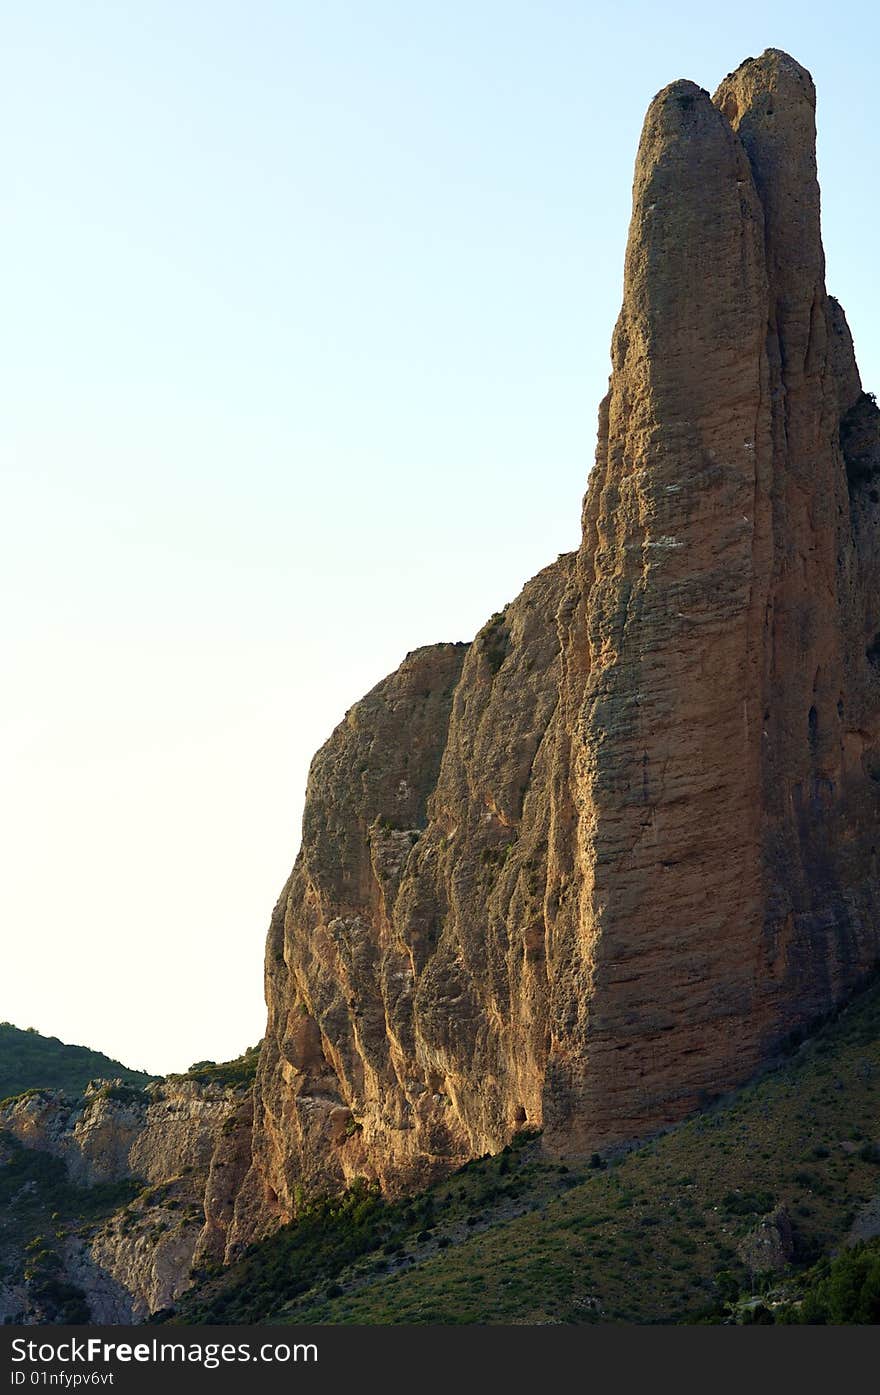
[(674, 568), (595, 866), (727, 881)]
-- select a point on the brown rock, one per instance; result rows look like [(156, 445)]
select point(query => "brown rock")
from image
[(665, 761), (594, 867)]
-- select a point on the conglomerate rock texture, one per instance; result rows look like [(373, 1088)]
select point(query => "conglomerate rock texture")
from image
[(593, 868)]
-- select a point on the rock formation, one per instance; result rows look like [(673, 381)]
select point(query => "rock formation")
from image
[(594, 868), (186, 1143)]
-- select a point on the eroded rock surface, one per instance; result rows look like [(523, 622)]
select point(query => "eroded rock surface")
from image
[(593, 869), (186, 1143)]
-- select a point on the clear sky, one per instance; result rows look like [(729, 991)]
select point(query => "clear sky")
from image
[(306, 314)]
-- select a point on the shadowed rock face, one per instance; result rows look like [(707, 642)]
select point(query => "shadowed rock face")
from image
[(596, 865)]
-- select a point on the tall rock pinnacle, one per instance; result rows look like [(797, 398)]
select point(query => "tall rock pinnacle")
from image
[(720, 568), (595, 867), (675, 563)]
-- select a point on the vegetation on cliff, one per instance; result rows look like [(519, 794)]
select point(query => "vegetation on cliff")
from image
[(238, 1072), (40, 1209)]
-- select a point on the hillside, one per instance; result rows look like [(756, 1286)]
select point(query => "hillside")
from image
[(29, 1061), (685, 1228)]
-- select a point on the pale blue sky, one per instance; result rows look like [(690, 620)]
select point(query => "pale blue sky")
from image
[(306, 319)]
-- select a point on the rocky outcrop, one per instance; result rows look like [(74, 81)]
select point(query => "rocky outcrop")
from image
[(768, 1248), (183, 1141), (593, 869), (114, 1131)]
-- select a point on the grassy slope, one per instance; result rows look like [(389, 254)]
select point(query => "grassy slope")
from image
[(650, 1239), (29, 1061)]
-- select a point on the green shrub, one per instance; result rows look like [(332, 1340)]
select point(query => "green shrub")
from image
[(850, 1292), (240, 1072)]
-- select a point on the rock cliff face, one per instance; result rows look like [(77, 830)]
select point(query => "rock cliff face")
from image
[(186, 1143), (591, 869)]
